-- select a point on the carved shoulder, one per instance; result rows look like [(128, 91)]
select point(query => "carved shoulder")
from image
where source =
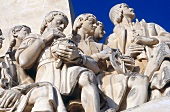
[(111, 40), (25, 43), (28, 41)]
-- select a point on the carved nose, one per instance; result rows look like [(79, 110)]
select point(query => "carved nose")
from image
[(94, 25), (104, 32), (131, 9), (62, 25)]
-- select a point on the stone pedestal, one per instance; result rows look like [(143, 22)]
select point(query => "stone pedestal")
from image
[(158, 105)]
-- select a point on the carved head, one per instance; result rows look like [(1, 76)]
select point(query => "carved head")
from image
[(119, 11), (86, 23), (99, 31), (54, 19), (20, 31), (1, 39)]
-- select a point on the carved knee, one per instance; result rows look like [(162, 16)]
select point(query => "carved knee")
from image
[(87, 78), (39, 92), (42, 105), (165, 63), (138, 80)]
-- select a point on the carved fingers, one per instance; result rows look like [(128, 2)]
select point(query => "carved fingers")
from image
[(128, 62), (12, 43), (104, 54), (68, 53), (53, 33), (9, 98), (135, 50), (57, 33), (13, 100), (146, 40)]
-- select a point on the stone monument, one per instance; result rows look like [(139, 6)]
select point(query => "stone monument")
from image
[(49, 65)]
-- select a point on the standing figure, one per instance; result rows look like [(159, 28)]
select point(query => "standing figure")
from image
[(147, 43), (58, 61), (116, 86)]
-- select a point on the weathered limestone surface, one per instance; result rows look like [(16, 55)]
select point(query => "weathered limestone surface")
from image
[(30, 13), (159, 105), (79, 74)]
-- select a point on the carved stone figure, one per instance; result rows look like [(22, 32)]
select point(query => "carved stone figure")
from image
[(18, 34), (26, 95), (143, 41), (55, 72), (115, 91), (60, 64)]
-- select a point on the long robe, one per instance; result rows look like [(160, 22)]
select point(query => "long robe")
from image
[(121, 39), (63, 78)]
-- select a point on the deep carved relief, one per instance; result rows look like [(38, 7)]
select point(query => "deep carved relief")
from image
[(53, 71)]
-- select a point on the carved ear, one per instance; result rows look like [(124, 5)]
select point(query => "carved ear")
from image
[(14, 34), (80, 22), (77, 24), (118, 17)]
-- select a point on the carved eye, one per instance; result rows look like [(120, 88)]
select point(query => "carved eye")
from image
[(92, 21), (17, 31), (101, 27), (126, 6), (59, 22)]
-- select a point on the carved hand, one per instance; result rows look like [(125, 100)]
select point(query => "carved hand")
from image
[(12, 43), (104, 54), (9, 98), (53, 33), (134, 50), (146, 40), (69, 54), (128, 62)]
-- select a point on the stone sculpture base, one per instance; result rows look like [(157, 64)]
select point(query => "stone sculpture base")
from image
[(158, 105)]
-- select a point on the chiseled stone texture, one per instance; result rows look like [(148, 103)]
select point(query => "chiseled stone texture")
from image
[(158, 105), (30, 13)]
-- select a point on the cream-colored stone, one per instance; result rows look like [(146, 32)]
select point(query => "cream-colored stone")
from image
[(158, 105), (45, 50), (114, 86), (23, 94), (30, 13), (47, 60), (147, 43)]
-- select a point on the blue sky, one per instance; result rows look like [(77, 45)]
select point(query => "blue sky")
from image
[(157, 11)]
